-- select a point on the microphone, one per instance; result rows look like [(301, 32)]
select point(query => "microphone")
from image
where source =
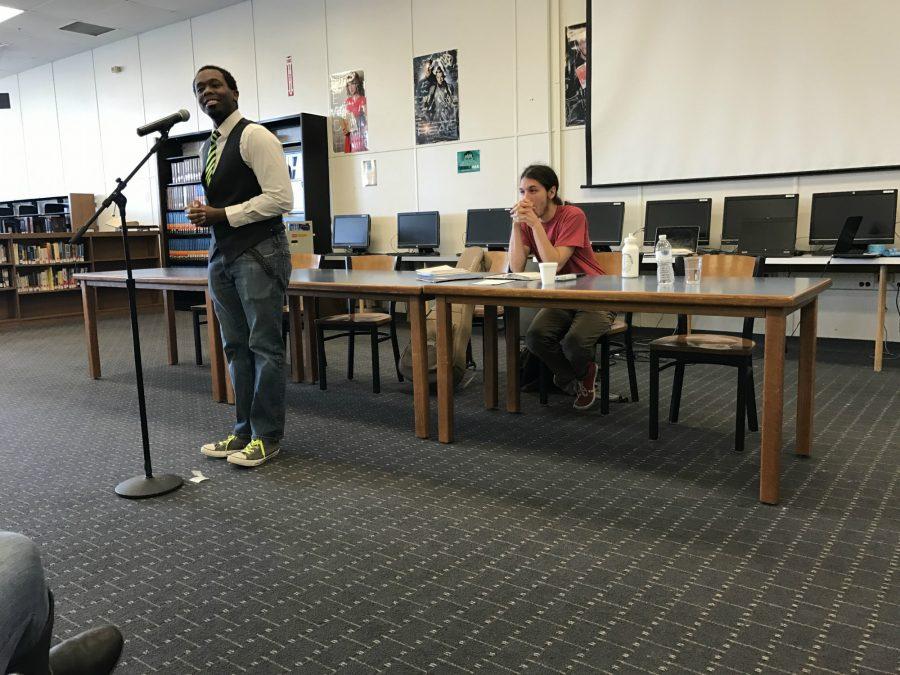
[(164, 123)]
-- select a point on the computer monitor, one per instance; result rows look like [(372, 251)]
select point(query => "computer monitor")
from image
[(677, 213), (768, 236), (756, 208), (420, 230), (830, 211), (604, 222), (351, 232), (488, 227)]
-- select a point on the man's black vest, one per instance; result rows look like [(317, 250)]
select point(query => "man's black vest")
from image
[(233, 182)]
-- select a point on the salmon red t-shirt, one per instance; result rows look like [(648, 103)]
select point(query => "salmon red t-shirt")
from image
[(568, 227)]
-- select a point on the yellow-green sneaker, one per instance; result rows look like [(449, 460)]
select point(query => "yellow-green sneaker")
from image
[(226, 447), (255, 453)]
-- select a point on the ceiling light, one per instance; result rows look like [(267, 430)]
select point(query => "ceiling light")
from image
[(8, 13)]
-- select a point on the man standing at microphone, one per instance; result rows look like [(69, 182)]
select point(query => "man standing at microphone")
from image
[(247, 190)]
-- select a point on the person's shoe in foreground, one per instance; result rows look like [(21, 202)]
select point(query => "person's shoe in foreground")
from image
[(226, 447), (585, 389), (257, 452), (93, 652)]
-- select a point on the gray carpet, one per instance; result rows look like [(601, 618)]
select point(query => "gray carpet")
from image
[(543, 542)]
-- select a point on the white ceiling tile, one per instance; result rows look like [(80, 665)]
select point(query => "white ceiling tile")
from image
[(35, 37)]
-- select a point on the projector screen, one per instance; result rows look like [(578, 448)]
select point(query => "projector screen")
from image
[(684, 90)]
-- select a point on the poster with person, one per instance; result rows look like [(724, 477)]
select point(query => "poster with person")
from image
[(436, 97), (576, 74), (349, 114)]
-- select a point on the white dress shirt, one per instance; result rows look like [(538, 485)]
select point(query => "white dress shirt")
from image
[(262, 152)]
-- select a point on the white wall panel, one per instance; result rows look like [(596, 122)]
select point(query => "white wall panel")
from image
[(532, 66), (41, 131), (297, 29), (225, 38), (532, 149), (375, 37), (485, 36), (167, 74), (394, 193), (442, 189), (121, 107), (13, 177), (79, 124)]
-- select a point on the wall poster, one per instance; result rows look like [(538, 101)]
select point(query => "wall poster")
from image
[(436, 96), (349, 116)]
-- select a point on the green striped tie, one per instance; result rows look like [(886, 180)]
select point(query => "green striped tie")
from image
[(212, 157)]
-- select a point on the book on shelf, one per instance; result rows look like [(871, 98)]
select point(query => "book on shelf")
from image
[(48, 279), (5, 278), (196, 248), (47, 252), (4, 256), (179, 197), (186, 170)]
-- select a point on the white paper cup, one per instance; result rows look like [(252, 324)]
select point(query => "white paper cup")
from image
[(548, 272)]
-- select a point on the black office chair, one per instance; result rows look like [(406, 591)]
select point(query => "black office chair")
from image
[(354, 322)]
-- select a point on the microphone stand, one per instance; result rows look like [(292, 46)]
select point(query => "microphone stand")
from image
[(147, 485)]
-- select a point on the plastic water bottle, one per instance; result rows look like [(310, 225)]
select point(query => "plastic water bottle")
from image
[(630, 256), (665, 273)]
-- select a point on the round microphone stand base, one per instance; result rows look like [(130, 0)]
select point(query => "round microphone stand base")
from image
[(141, 487)]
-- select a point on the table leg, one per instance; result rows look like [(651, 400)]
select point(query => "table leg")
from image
[(418, 337), (89, 306), (310, 349), (489, 338), (806, 378), (773, 404), (511, 326), (444, 370), (171, 331), (879, 322), (216, 355), (295, 320)]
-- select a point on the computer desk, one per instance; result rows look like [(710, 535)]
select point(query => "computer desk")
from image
[(770, 298), (883, 264)]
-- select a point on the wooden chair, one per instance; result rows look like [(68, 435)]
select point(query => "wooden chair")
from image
[(355, 321), (724, 350), (610, 263), (198, 312), (499, 263)]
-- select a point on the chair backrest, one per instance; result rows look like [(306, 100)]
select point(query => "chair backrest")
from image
[(721, 266), (717, 266), (610, 261), (499, 261), (385, 263), (306, 261)]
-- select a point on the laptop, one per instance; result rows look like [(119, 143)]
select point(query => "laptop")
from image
[(844, 246), (683, 239), (767, 237)]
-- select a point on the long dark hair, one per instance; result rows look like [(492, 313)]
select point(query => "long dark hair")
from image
[(546, 176)]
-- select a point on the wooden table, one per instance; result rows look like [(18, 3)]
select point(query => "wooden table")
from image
[(769, 299), (365, 285), (305, 286), (168, 280)]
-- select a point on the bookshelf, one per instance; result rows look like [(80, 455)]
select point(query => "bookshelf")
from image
[(36, 273), (305, 142)]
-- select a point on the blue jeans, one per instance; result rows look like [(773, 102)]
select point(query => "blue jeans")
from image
[(248, 295), (24, 605)]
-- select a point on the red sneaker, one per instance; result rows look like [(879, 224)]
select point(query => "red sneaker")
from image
[(586, 394)]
